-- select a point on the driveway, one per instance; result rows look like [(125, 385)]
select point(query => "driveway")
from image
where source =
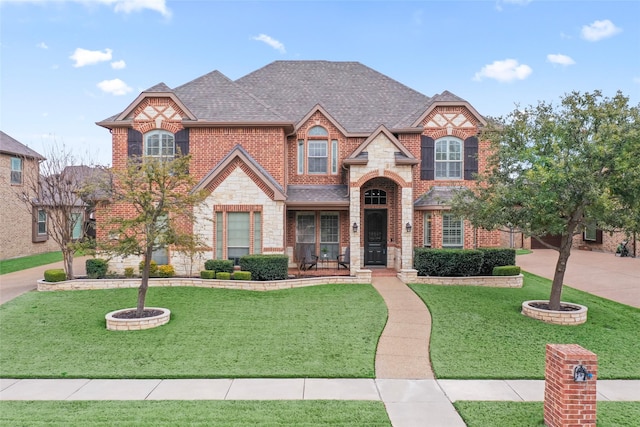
[(19, 282), (601, 274)]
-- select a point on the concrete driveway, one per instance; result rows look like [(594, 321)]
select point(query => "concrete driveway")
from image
[(601, 274), (19, 282)]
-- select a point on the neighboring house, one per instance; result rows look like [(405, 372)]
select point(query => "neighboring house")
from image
[(23, 231), (313, 155)]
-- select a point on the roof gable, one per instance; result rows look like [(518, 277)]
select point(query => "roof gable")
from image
[(402, 155), (9, 145), (447, 99), (253, 168)]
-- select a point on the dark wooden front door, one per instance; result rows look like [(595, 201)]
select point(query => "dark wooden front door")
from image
[(375, 237)]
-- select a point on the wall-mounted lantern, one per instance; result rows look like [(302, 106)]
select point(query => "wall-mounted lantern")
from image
[(355, 227), (408, 227), (580, 374)]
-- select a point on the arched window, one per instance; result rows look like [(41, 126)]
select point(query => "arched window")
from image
[(448, 158), (375, 197), (159, 143)]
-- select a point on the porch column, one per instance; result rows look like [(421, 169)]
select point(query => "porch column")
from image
[(406, 260), (354, 237)]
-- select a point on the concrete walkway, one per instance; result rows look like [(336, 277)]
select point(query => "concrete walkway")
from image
[(599, 273)]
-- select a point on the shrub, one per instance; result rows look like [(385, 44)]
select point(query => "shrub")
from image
[(207, 274), (223, 275), (506, 270), (55, 275), (96, 268), (166, 270), (447, 262), (496, 257), (128, 272), (153, 268), (242, 275), (266, 267), (224, 265)]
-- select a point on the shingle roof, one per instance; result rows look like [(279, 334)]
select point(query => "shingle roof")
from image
[(437, 196), (358, 97), (213, 97), (317, 194), (9, 145)]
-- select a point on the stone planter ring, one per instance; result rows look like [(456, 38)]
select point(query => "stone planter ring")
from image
[(570, 314), (119, 321)]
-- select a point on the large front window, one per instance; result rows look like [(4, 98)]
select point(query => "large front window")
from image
[(452, 233), (329, 235), (16, 170), (448, 158), (238, 234), (160, 144)]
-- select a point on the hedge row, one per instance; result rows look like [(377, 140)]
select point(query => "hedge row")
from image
[(461, 262)]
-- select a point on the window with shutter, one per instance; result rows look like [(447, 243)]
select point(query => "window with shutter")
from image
[(427, 155), (470, 158), (134, 143)]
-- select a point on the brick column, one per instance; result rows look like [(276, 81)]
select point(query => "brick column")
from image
[(569, 403)]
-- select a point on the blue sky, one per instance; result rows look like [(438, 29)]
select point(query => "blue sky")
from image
[(66, 64)]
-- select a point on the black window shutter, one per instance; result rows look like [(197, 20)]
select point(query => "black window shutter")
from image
[(182, 142), (427, 166), (598, 236), (470, 157), (134, 143)]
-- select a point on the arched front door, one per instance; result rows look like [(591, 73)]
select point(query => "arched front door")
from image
[(375, 237)]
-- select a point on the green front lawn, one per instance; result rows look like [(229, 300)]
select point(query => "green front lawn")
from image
[(192, 413), (22, 263), (319, 331), (479, 332), (531, 414)]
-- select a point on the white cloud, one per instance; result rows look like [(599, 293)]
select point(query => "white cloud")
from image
[(42, 45), (271, 42), (118, 65), (506, 70), (114, 87), (560, 59), (599, 30), (89, 57), (125, 6)]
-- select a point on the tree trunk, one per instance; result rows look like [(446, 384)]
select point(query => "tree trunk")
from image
[(144, 284), (561, 267), (67, 256)]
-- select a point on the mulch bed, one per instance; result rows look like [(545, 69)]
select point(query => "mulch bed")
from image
[(131, 314)]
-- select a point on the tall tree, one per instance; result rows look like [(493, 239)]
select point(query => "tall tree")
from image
[(59, 188), (151, 207), (556, 168)]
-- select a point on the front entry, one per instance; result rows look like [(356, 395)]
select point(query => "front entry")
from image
[(375, 237)]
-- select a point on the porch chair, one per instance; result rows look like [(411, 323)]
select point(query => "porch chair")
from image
[(307, 261), (344, 259)]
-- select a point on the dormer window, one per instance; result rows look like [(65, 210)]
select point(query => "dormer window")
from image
[(160, 144)]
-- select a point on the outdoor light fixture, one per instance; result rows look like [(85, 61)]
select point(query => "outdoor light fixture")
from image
[(408, 227), (355, 227)]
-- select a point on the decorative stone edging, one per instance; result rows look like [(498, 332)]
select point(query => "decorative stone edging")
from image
[(137, 324), (556, 317), (411, 276)]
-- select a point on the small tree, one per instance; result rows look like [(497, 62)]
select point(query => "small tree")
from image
[(554, 169), (151, 209), (60, 189)]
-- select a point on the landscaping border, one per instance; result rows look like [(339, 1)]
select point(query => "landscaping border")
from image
[(411, 276)]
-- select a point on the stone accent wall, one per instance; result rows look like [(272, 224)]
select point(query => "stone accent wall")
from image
[(569, 403)]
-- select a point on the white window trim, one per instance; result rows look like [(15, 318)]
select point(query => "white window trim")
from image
[(449, 245), (160, 134), (428, 224), (448, 161), (17, 182)]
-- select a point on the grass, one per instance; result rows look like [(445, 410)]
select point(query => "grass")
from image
[(22, 263), (523, 251), (319, 331), (530, 414), (192, 413), (479, 332)]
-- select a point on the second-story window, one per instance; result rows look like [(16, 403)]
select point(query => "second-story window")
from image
[(448, 158), (160, 144), (16, 170), (316, 156)]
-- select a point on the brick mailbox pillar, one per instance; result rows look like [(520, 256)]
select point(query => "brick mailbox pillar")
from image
[(570, 386)]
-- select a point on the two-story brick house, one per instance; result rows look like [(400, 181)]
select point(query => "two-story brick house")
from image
[(313, 154), (23, 229)]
